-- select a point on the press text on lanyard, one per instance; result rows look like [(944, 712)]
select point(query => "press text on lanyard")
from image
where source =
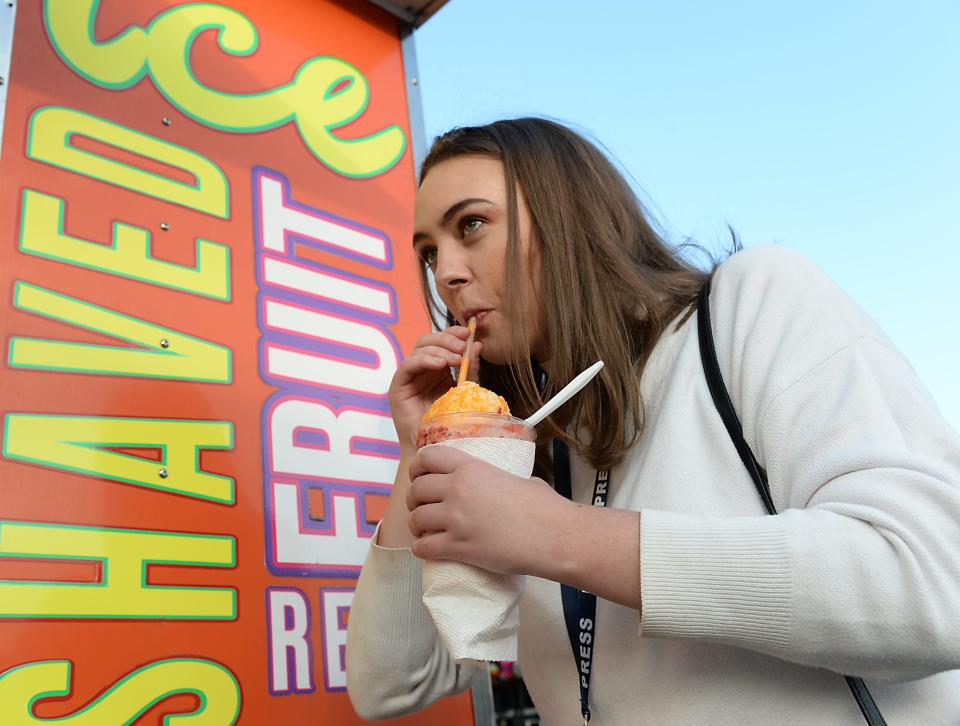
[(579, 606)]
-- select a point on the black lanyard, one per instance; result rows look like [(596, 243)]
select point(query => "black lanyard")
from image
[(579, 606)]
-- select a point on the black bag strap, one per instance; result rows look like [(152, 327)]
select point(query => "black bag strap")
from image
[(721, 399)]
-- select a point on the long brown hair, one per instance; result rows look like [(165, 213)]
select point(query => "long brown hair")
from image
[(609, 282)]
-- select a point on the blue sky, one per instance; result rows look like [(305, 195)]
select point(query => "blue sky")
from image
[(832, 128)]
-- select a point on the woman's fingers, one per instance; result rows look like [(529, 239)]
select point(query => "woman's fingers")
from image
[(433, 352), (422, 377), (426, 489), (437, 460), (434, 546), (427, 518), (448, 358), (452, 339)]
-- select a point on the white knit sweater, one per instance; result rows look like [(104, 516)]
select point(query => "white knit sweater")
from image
[(747, 618)]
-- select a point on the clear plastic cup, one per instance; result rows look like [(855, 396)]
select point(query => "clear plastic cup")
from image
[(497, 438)]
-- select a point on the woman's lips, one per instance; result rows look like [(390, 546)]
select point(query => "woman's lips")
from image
[(480, 315)]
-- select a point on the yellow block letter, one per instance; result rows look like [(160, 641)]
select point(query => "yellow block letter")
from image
[(41, 234), (49, 140), (75, 443), (183, 358), (123, 593), (216, 688)]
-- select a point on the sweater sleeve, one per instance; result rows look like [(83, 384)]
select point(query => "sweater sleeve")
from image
[(396, 664), (860, 571)]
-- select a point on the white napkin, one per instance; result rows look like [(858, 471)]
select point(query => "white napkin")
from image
[(476, 611)]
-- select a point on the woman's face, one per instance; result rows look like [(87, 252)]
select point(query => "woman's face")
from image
[(461, 230)]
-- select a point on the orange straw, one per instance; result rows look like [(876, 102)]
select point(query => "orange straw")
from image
[(465, 361)]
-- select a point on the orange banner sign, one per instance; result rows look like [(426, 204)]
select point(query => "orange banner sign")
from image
[(209, 284)]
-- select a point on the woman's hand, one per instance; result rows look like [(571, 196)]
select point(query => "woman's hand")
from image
[(424, 376), (464, 509)]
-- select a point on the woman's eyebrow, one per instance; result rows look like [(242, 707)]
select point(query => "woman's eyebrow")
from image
[(451, 213)]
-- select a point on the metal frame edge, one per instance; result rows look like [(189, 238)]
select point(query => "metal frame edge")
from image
[(481, 694), (404, 14), (411, 79), (418, 135), (8, 17), (481, 691), (408, 15)]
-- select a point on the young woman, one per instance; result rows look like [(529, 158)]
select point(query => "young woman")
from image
[(707, 610)]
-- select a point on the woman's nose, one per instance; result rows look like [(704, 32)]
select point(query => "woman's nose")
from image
[(452, 270)]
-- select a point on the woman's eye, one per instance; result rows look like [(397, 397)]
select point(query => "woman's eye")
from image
[(429, 256), (469, 225)]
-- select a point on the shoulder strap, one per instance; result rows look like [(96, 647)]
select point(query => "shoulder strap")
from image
[(721, 399)]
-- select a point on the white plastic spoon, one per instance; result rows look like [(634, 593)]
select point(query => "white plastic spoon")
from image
[(565, 394)]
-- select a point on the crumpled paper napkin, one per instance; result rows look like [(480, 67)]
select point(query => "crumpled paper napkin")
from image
[(476, 611)]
